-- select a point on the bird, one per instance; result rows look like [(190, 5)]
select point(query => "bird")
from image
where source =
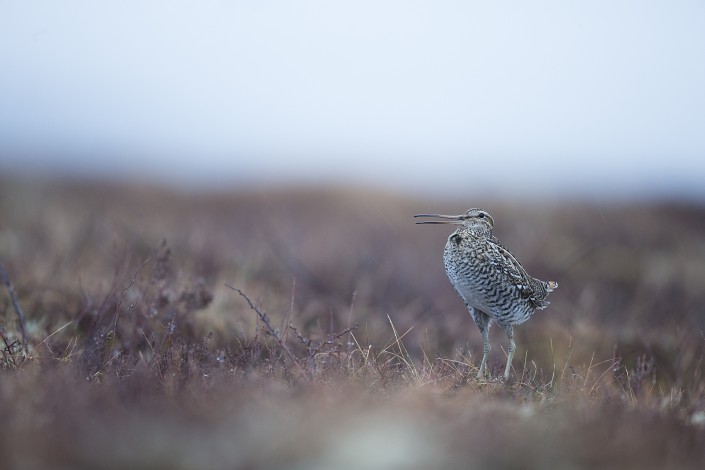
[(491, 282)]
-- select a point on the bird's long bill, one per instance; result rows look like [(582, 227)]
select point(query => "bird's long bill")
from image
[(446, 219)]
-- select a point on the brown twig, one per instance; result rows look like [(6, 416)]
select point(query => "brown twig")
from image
[(117, 314), (305, 341), (5, 279), (265, 319), (290, 313), (329, 341), (9, 356), (123, 293)]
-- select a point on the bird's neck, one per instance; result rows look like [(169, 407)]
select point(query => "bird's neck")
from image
[(475, 231)]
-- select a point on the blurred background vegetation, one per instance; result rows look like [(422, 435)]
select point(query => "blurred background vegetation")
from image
[(127, 288)]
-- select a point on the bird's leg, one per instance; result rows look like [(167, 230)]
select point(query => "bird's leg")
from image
[(485, 350), (483, 323), (510, 350)]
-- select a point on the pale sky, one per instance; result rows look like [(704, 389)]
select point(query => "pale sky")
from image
[(544, 97)]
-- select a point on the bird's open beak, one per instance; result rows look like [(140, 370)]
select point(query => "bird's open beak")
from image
[(446, 219)]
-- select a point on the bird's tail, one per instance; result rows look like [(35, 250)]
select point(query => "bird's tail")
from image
[(540, 301)]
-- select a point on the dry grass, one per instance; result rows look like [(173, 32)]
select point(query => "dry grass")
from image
[(316, 329)]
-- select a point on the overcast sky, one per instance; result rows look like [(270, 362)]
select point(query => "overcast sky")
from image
[(544, 96)]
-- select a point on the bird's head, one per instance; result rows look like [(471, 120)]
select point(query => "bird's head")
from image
[(472, 219)]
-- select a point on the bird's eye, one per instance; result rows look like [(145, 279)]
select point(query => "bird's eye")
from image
[(482, 215)]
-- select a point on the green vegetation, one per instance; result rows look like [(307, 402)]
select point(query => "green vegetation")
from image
[(317, 329)]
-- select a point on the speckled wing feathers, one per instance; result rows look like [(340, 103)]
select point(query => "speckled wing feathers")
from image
[(531, 288)]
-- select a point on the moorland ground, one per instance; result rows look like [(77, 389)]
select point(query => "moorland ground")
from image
[(316, 329)]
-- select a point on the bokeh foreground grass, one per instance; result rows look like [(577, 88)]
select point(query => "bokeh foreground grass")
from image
[(316, 329)]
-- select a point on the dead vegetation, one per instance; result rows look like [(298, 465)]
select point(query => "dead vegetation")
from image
[(316, 329)]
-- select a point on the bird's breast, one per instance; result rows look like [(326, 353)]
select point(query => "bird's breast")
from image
[(477, 276)]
